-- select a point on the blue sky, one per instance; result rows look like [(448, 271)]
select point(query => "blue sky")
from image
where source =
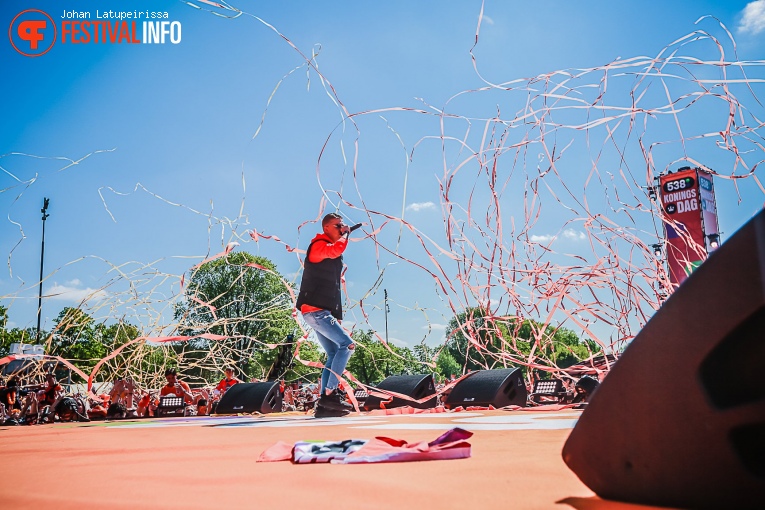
[(168, 171)]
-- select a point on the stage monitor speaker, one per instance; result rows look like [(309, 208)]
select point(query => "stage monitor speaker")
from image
[(680, 419), (498, 388), (415, 386), (262, 397)]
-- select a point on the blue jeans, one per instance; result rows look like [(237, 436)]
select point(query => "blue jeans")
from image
[(335, 341)]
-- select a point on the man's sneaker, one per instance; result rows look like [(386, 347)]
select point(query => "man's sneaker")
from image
[(335, 402), (323, 412)]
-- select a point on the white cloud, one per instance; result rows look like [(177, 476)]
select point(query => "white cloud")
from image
[(436, 327), (752, 18), (70, 291), (487, 20), (397, 342), (420, 206), (574, 235), (569, 233)]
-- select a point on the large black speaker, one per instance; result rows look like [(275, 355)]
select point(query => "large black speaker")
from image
[(498, 388), (680, 419), (263, 397), (415, 386)]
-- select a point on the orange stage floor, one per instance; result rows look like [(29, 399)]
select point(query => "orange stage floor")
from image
[(210, 462)]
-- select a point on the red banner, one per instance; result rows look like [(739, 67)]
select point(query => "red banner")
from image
[(681, 200)]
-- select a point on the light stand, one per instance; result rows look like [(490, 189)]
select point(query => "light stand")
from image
[(46, 202)]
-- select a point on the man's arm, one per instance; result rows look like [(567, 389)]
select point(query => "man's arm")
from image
[(323, 250), (186, 389)]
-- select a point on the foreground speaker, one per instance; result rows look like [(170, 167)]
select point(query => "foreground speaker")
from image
[(415, 386), (498, 388), (263, 397), (680, 419)]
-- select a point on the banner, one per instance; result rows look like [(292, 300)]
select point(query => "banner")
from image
[(686, 240)]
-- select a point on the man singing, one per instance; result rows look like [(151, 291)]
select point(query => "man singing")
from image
[(320, 302)]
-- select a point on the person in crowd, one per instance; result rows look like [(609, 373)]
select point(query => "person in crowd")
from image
[(176, 387), (122, 392), (147, 405), (207, 403), (116, 411), (29, 409), (70, 408), (48, 398), (9, 397), (97, 408), (10, 407), (203, 399), (51, 392), (289, 401), (227, 382)]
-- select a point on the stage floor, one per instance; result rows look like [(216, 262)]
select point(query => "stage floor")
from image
[(210, 462)]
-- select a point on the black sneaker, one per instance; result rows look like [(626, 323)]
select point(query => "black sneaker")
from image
[(335, 402), (323, 412)]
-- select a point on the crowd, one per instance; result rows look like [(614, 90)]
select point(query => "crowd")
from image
[(48, 402), (38, 404), (299, 397)]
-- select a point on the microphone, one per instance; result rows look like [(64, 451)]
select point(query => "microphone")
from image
[(357, 225)]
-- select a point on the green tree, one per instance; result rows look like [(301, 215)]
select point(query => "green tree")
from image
[(75, 338), (486, 339), (78, 338), (492, 339), (447, 365), (372, 361), (13, 335), (250, 306)]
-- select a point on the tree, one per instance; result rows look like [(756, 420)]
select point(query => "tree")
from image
[(12, 336), (477, 341), (250, 306), (372, 361), (485, 336), (78, 338), (446, 365), (74, 338)]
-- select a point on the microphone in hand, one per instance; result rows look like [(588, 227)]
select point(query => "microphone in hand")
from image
[(357, 225)]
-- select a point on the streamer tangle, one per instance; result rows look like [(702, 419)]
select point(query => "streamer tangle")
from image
[(545, 207)]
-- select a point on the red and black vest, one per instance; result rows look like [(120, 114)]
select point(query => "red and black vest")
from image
[(320, 286)]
